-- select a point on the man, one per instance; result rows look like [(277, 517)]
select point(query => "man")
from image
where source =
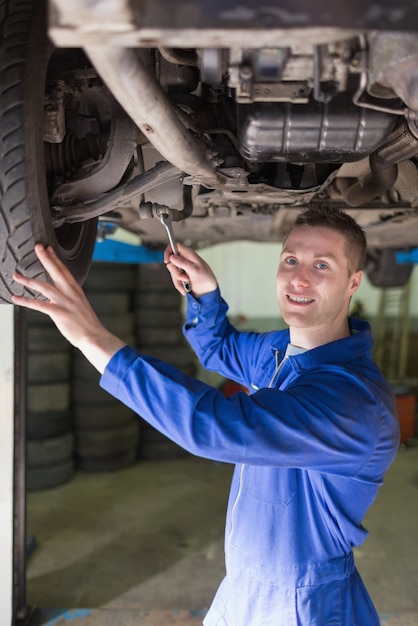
[(312, 442)]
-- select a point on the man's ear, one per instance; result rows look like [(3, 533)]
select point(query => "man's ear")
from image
[(355, 281)]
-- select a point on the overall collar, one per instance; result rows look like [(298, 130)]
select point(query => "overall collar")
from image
[(336, 352)]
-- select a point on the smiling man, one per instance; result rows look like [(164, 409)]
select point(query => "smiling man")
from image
[(318, 273), (310, 444)]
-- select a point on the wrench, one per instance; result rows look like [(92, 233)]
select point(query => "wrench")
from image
[(166, 221)]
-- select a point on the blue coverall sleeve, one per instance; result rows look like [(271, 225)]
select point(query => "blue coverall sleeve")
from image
[(218, 345), (326, 421)]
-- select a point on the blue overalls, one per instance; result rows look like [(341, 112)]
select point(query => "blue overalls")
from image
[(310, 446)]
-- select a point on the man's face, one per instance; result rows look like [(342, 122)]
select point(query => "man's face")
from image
[(313, 284)]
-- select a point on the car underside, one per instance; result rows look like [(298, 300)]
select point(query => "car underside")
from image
[(234, 116)]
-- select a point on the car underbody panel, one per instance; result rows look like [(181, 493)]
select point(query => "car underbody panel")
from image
[(234, 115)]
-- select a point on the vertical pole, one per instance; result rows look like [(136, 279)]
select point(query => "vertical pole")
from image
[(6, 462), (19, 561), (404, 338), (381, 330)]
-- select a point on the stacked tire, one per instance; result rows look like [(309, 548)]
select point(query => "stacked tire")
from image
[(50, 437), (157, 307), (106, 431)]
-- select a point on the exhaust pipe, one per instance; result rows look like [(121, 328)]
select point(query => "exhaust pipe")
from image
[(127, 73), (402, 144)]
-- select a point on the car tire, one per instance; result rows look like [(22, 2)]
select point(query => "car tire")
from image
[(39, 478), (106, 431), (25, 216), (159, 334), (50, 462), (383, 271), (49, 436), (45, 424), (108, 448), (50, 367), (102, 417), (113, 277), (108, 463), (50, 451)]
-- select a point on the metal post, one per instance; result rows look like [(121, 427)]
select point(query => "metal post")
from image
[(381, 330), (6, 461), (20, 610), (404, 336)]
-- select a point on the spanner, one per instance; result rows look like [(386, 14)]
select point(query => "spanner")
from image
[(166, 221)]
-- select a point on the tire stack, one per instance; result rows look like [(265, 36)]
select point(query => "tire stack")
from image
[(106, 431), (158, 315), (50, 437)]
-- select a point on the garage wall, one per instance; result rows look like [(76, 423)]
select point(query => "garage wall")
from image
[(246, 274)]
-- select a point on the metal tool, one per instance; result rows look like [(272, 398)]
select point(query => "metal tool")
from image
[(166, 221)]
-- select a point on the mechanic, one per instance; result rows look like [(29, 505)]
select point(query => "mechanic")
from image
[(311, 443)]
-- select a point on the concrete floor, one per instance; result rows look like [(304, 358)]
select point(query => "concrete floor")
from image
[(144, 545)]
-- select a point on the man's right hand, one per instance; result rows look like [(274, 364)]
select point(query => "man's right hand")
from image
[(188, 266)]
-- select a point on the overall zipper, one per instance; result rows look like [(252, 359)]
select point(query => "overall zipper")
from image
[(236, 502), (234, 506), (278, 368)]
